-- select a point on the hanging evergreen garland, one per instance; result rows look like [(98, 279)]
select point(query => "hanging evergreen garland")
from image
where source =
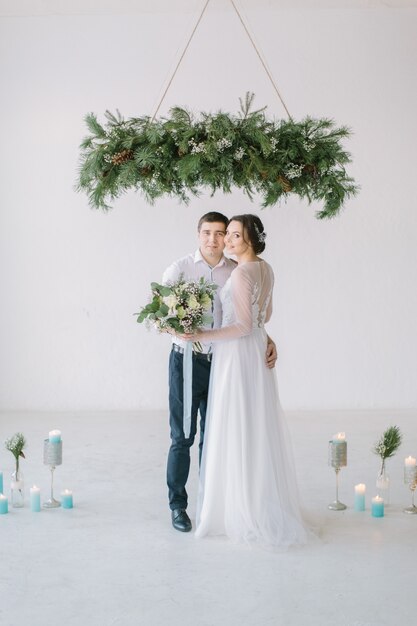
[(179, 155)]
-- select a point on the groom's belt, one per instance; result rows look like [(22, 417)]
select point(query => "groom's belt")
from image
[(207, 356)]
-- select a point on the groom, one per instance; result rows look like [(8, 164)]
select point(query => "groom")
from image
[(210, 263)]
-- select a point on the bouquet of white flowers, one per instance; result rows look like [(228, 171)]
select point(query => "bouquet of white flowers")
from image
[(183, 306)]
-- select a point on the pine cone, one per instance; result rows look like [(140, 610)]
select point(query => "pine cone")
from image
[(122, 157), (285, 183), (145, 171), (311, 169)]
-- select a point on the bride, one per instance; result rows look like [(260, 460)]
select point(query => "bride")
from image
[(247, 480)]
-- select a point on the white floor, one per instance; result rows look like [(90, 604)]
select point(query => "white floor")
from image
[(114, 560)]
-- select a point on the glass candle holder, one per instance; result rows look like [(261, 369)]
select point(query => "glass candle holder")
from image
[(52, 456), (410, 479), (337, 459)]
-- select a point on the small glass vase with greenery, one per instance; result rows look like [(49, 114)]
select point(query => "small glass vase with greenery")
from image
[(386, 446), (16, 444)]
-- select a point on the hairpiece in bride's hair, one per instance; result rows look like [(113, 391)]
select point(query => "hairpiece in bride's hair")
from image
[(261, 236)]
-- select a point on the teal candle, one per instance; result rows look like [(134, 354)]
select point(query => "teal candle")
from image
[(54, 436), (4, 504), (35, 499), (1, 482), (360, 497), (66, 499), (377, 507)]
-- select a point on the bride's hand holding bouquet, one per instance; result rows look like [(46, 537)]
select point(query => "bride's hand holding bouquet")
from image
[(180, 308)]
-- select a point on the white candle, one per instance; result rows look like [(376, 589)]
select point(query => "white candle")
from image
[(360, 497), (410, 461), (377, 507), (35, 499), (54, 436), (4, 504), (66, 499)]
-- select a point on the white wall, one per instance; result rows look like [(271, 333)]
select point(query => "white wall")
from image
[(71, 278)]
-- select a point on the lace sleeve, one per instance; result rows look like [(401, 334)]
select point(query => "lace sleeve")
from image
[(242, 296), (268, 310)]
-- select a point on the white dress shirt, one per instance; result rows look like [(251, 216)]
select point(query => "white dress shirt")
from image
[(193, 267)]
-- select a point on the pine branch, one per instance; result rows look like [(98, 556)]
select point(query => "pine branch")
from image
[(114, 120), (94, 127), (388, 443)]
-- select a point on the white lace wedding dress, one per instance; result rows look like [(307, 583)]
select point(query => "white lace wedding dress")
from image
[(247, 489)]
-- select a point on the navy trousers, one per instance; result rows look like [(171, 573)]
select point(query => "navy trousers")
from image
[(178, 466)]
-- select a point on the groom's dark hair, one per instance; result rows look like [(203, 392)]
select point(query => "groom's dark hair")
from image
[(213, 216)]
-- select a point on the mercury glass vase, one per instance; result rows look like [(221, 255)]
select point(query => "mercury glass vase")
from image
[(17, 488)]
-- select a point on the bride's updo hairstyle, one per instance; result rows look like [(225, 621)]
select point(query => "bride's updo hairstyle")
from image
[(253, 229)]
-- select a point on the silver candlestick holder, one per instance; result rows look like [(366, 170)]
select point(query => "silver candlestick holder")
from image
[(52, 456), (410, 479), (337, 460)]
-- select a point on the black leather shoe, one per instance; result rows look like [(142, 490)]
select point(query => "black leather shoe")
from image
[(180, 520)]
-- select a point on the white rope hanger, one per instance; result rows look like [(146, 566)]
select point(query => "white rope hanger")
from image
[(250, 37)]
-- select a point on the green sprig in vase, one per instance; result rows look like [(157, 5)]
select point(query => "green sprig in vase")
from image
[(385, 448), (16, 444)]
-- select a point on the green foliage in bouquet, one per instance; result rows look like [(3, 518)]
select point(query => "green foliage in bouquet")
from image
[(179, 155), (16, 444), (183, 306)]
